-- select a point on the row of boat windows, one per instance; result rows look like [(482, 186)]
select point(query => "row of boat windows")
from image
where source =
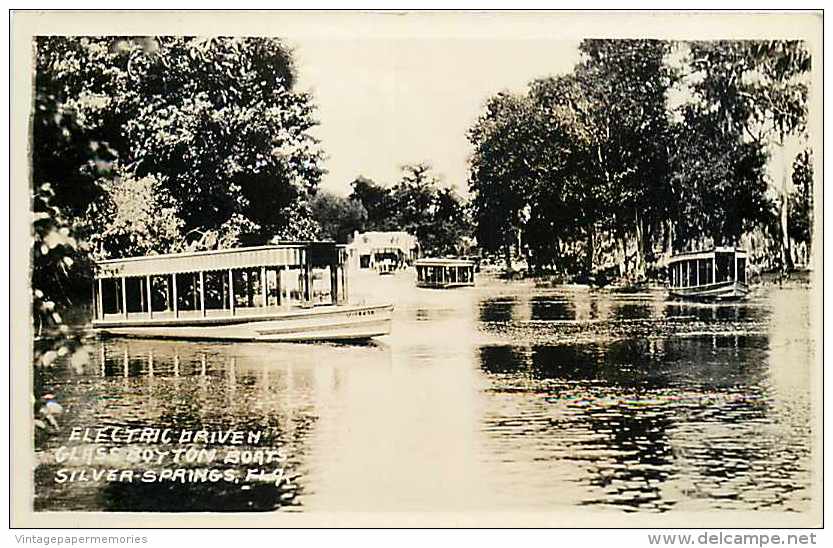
[(450, 274), (253, 287), (394, 260), (723, 267)]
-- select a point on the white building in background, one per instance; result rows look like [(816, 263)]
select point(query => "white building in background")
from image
[(382, 251)]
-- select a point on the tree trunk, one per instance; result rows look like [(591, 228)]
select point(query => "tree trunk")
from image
[(639, 267), (556, 257), (622, 247), (786, 254), (507, 255), (591, 250)]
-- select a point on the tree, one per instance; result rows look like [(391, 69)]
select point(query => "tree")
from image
[(377, 202), (418, 205), (144, 145), (760, 88), (435, 215), (598, 155), (781, 108), (133, 214), (450, 226), (801, 201), (583, 153), (624, 84), (719, 181), (215, 121), (532, 176), (59, 266), (499, 176), (338, 217), (413, 200), (564, 206)]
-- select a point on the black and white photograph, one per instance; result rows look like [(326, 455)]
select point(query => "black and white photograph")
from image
[(436, 269)]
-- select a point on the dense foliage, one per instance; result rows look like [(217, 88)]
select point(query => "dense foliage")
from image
[(338, 217), (209, 126), (801, 201), (417, 204), (599, 169)]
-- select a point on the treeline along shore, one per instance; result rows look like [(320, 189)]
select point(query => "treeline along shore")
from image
[(149, 145), (645, 149)]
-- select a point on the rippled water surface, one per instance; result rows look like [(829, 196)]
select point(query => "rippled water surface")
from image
[(499, 397)]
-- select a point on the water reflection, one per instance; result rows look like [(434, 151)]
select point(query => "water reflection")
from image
[(616, 407), (497, 397)]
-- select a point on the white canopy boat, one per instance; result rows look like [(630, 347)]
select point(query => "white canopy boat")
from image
[(444, 273), (718, 274), (294, 291)]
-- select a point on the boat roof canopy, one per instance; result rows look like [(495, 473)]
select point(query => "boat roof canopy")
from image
[(706, 254), (443, 262), (316, 254)]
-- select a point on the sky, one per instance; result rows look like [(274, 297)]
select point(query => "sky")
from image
[(388, 99)]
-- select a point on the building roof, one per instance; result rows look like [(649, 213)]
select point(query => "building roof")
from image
[(375, 240)]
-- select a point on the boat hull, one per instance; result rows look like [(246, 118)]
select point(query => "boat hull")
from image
[(449, 285), (326, 323), (723, 291)]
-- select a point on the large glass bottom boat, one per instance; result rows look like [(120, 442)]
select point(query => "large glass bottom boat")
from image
[(718, 274), (294, 291)]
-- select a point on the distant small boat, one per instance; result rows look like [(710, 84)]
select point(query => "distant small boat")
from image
[(718, 274), (386, 268), (444, 273), (295, 291)]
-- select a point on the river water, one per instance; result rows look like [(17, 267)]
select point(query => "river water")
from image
[(505, 396)]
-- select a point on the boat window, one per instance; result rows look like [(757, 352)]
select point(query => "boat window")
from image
[(187, 291), (216, 289), (248, 292), (723, 266), (111, 295), (742, 269), (703, 271), (160, 293), (692, 272), (295, 285), (322, 288), (273, 296), (709, 271), (136, 294)]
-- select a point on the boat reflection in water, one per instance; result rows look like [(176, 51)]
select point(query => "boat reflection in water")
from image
[(193, 386), (500, 397)]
